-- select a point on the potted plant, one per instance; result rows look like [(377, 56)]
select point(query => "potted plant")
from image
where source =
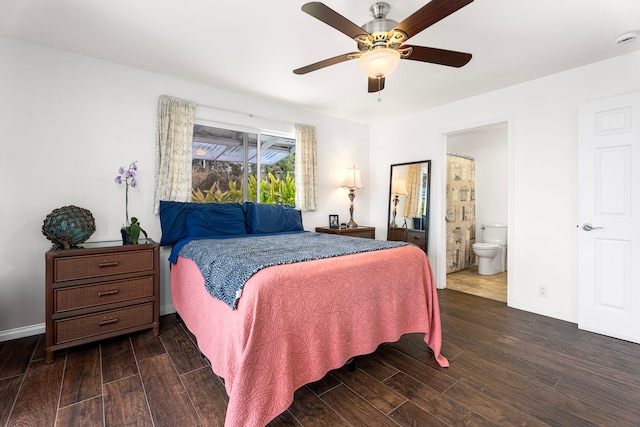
[(130, 230)]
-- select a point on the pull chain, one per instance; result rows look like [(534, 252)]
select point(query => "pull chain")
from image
[(379, 90)]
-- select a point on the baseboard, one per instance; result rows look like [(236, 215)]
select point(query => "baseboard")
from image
[(27, 331), (167, 309), (567, 317)]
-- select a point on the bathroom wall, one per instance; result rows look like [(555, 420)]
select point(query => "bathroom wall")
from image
[(488, 147)]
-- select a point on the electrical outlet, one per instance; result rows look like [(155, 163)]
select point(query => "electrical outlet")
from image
[(542, 291)]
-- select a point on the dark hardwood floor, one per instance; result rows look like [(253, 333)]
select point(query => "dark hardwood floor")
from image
[(508, 367)]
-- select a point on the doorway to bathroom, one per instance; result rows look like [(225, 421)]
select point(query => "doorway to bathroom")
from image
[(476, 193)]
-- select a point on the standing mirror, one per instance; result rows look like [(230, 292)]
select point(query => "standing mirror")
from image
[(409, 187)]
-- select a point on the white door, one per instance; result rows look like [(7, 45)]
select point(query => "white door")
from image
[(609, 215)]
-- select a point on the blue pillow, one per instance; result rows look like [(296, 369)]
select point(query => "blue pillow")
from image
[(215, 219), (263, 218), (173, 221), (292, 219)]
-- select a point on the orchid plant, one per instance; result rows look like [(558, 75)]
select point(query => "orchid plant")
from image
[(128, 176)]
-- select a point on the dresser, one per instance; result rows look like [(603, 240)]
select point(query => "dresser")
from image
[(417, 237), (364, 232), (100, 290)]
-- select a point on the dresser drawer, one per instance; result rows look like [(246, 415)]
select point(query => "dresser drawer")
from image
[(101, 323), (416, 237), (80, 267), (365, 234), (74, 297), (398, 234)]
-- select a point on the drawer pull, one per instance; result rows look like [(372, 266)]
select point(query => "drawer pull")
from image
[(108, 264), (108, 322), (110, 292)]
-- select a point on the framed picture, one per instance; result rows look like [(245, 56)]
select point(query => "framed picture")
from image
[(333, 221)]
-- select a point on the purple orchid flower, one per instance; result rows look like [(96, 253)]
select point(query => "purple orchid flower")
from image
[(128, 176)]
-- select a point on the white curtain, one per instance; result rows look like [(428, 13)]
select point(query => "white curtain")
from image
[(414, 190), (306, 167), (174, 138)]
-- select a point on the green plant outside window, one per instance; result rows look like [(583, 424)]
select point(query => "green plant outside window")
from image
[(224, 160)]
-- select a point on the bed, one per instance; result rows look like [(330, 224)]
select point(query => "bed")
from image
[(294, 322)]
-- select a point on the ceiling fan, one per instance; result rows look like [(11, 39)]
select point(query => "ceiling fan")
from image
[(381, 40)]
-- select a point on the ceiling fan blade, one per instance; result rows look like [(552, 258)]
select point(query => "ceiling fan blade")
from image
[(376, 84), (325, 63), (429, 14), (330, 17), (451, 58)]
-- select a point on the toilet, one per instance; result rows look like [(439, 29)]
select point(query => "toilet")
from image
[(492, 252)]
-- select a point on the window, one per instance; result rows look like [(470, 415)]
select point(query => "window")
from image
[(230, 166)]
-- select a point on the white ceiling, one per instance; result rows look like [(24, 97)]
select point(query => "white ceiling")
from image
[(253, 46)]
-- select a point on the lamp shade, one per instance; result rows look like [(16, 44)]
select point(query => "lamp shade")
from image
[(379, 62), (398, 186), (352, 179)]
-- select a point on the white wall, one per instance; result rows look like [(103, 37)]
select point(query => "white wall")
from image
[(488, 148), (544, 137), (68, 122)]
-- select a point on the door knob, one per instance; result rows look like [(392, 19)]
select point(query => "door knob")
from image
[(589, 227)]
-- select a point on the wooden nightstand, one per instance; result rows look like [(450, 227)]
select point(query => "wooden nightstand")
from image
[(100, 290), (364, 232)]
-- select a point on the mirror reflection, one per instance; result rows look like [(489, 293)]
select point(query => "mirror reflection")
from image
[(409, 203)]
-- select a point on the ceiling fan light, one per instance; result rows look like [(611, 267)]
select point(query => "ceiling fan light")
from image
[(380, 62)]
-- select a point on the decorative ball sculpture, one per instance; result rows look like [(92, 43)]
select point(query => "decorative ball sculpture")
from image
[(68, 226)]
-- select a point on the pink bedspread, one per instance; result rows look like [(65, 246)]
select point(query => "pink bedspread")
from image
[(294, 323)]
